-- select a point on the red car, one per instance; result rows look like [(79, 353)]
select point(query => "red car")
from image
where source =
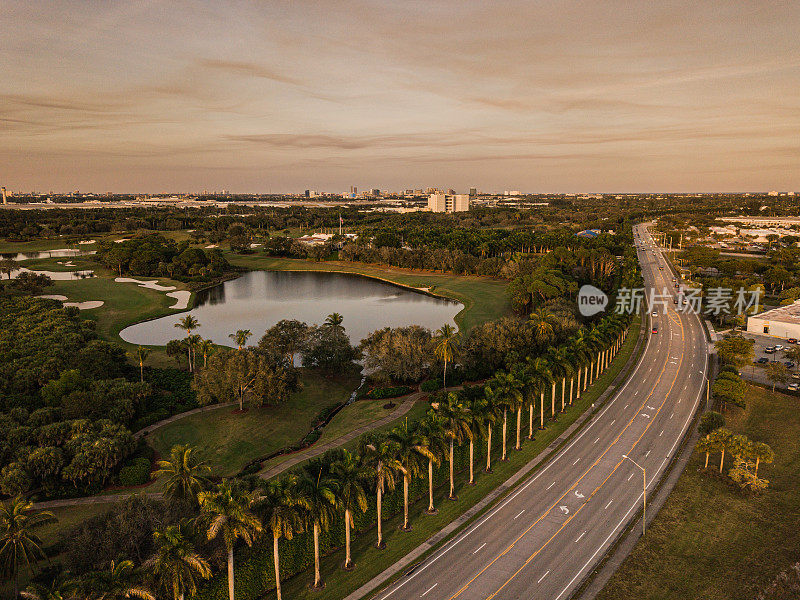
[(792, 340), (655, 329)]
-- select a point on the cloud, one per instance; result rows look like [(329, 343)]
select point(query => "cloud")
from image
[(246, 69)]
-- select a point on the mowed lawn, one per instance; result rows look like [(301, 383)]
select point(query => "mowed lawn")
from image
[(484, 298), (229, 440), (712, 541)]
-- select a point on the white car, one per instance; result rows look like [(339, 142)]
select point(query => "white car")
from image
[(794, 387), (778, 348)]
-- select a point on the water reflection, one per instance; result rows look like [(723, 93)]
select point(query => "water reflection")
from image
[(259, 299)]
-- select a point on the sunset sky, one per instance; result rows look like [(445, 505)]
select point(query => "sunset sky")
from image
[(269, 96)]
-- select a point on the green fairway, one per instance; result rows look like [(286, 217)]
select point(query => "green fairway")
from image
[(230, 440), (125, 303), (41, 245), (484, 298), (77, 263), (712, 541)]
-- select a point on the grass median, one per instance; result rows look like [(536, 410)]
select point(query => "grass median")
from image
[(711, 540)]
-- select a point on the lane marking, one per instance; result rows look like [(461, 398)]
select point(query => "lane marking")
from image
[(543, 576), (429, 589), (576, 462), (631, 475), (520, 513), (614, 421), (597, 440), (609, 504), (479, 547), (551, 485), (662, 433), (647, 454), (579, 537)]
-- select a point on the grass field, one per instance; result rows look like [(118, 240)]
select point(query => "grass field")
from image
[(483, 298), (40, 245), (712, 541), (229, 441), (371, 562), (79, 263)]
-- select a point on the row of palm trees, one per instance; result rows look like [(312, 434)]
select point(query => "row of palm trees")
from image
[(724, 441), (339, 484)]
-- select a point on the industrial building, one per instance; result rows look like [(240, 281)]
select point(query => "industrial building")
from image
[(440, 203), (781, 322)]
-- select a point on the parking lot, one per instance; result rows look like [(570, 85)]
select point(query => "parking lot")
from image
[(755, 372)]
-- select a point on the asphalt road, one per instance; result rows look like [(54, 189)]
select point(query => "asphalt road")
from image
[(541, 541)]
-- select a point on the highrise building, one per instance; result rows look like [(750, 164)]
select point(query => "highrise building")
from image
[(440, 203)]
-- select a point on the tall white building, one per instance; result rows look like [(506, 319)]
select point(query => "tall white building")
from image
[(440, 203)]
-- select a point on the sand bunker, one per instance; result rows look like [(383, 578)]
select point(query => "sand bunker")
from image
[(87, 305), (150, 285), (212, 246), (88, 242), (54, 297), (182, 299)]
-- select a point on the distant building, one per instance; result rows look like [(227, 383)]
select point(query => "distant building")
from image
[(589, 233), (473, 192), (440, 203), (782, 322)]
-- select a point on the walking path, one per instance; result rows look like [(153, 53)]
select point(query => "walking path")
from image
[(318, 449)]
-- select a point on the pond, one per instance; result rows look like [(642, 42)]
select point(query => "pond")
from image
[(259, 299), (59, 253)]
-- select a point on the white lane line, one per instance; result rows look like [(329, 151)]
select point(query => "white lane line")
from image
[(519, 514), (579, 537), (662, 433), (551, 485), (630, 476), (429, 589), (650, 407), (647, 454), (609, 504), (672, 415), (479, 547), (576, 462), (626, 406), (614, 421), (597, 440), (543, 576)]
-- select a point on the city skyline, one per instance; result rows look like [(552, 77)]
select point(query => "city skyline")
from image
[(280, 97)]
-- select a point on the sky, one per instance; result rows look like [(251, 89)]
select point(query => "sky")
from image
[(280, 96)]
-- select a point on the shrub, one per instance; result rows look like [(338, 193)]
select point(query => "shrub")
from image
[(136, 472), (709, 422), (431, 385)]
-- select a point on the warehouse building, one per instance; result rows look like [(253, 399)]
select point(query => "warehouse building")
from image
[(781, 322)]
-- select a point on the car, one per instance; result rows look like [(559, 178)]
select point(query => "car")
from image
[(795, 375), (655, 329), (763, 360), (778, 347), (789, 364), (792, 340), (769, 350), (793, 387), (655, 313)]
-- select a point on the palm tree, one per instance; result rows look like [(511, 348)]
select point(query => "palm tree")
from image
[(411, 451), (580, 350), (206, 347), (240, 337), (186, 476), (432, 430), (456, 430), (539, 371), (379, 455), (176, 566), (119, 582), (560, 366), (140, 355), (350, 478), (334, 320), (721, 438), (544, 324), (19, 544), (63, 587), (446, 347), (188, 324), (476, 421), (508, 391), (8, 266), (226, 512), (490, 413), (706, 445), (317, 491), (280, 507)]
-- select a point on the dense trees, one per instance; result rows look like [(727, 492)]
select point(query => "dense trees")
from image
[(747, 456), (20, 546)]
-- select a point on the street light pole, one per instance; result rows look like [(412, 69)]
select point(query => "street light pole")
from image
[(644, 492)]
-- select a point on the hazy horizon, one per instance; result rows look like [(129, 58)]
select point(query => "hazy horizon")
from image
[(277, 97)]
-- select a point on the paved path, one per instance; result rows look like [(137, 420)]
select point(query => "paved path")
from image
[(317, 449), (158, 425)]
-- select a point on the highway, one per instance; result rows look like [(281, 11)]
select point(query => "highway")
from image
[(542, 540)]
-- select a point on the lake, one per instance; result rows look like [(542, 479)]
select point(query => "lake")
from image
[(259, 299)]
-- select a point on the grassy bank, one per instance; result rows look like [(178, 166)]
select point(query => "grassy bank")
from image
[(372, 562), (229, 440), (712, 541), (483, 298)]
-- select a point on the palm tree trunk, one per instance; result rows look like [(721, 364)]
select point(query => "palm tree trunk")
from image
[(585, 377), (530, 421), (347, 560), (471, 461), (541, 411), (380, 525), (707, 455), (317, 576), (758, 459), (578, 393), (444, 375), (571, 382), (405, 502), (276, 562), (431, 508), (721, 460), (189, 352), (505, 428), (489, 450), (553, 400), (563, 391), (519, 426), (141, 371), (452, 481), (230, 574)]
